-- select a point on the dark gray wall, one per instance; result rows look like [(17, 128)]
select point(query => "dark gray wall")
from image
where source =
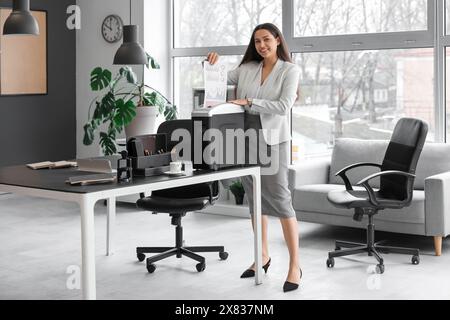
[(38, 128)]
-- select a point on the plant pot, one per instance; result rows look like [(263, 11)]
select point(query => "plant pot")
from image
[(144, 122), (239, 199)]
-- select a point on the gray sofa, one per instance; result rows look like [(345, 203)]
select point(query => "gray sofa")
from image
[(429, 213)]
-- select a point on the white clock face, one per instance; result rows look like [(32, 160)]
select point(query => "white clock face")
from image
[(112, 28)]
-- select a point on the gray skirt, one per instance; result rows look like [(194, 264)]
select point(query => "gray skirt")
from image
[(276, 197)]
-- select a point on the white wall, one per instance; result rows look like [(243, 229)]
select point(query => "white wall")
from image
[(93, 51)]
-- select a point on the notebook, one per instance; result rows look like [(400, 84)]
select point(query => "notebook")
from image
[(52, 165), (92, 179)]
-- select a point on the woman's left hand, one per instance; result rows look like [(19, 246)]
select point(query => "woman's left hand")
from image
[(240, 102)]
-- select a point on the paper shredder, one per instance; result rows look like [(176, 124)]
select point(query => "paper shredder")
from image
[(222, 118)]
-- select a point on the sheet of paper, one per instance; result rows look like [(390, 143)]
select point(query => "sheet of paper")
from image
[(215, 77)]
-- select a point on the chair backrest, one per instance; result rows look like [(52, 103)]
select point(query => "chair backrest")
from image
[(402, 154), (168, 127), (209, 189)]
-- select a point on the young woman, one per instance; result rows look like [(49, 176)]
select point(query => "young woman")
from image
[(267, 85)]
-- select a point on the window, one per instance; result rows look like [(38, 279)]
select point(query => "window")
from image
[(209, 23), (189, 76), (359, 94), (447, 15), (338, 17), (364, 63)]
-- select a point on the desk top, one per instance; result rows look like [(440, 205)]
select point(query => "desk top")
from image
[(54, 179)]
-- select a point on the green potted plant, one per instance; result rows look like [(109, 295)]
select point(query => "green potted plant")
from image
[(118, 106), (237, 189)]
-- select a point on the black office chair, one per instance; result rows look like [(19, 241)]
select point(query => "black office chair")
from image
[(177, 202), (396, 189)]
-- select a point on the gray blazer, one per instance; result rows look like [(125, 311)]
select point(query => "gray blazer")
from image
[(273, 99)]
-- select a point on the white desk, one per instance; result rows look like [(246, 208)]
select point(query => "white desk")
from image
[(51, 184)]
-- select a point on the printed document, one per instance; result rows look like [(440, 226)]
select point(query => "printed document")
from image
[(215, 77)]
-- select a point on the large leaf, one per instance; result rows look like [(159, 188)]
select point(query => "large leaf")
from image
[(88, 135), (98, 111), (151, 62), (108, 143), (125, 112), (149, 99), (129, 74), (100, 78), (170, 113), (107, 104)]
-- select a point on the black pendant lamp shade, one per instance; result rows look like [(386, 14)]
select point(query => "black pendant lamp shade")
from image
[(131, 51), (21, 21)]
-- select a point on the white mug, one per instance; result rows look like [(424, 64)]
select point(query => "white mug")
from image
[(175, 166)]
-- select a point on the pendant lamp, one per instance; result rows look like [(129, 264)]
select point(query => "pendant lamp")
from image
[(21, 21), (131, 51)]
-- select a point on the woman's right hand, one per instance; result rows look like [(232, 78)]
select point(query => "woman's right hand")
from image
[(212, 57)]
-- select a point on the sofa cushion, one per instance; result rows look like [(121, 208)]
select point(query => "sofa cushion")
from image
[(313, 198), (348, 151), (435, 159)]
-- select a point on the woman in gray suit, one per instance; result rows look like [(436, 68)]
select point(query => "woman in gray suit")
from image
[(267, 85)]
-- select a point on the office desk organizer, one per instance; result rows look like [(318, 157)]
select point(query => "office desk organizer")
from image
[(151, 165), (148, 154)]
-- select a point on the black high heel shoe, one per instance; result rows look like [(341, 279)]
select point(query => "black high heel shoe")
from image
[(290, 286), (251, 273)]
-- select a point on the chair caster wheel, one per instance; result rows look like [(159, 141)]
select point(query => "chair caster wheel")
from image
[(415, 260), (141, 257), (379, 268), (330, 262), (151, 268), (200, 266), (223, 255)]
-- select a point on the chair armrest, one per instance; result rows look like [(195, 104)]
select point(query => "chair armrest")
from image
[(437, 205), (343, 175), (365, 182), (309, 172)]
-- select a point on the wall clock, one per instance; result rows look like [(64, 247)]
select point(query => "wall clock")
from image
[(112, 28)]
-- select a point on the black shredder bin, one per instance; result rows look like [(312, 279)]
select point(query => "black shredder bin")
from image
[(224, 117)]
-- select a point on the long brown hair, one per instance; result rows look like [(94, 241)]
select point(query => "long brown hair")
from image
[(282, 50)]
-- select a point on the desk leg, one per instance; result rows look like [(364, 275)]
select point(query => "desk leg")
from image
[(258, 228), (88, 248), (110, 225)]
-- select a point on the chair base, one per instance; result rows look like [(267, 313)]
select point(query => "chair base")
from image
[(371, 248), (179, 250)]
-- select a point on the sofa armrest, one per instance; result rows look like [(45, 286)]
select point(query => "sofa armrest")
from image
[(437, 205), (306, 172)]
